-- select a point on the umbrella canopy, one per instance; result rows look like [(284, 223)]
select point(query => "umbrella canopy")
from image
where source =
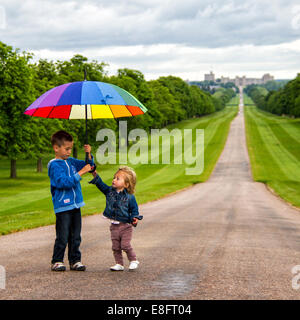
[(86, 100)]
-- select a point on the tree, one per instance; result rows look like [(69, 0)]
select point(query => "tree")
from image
[(202, 102), (292, 90), (165, 109), (224, 96), (44, 79), (16, 92), (73, 70), (283, 101), (180, 90)]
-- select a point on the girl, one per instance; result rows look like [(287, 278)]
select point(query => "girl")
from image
[(122, 210)]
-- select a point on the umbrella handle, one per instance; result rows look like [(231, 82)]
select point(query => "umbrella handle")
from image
[(86, 157), (87, 161)]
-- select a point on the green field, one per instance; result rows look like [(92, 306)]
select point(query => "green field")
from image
[(274, 151), (26, 201)]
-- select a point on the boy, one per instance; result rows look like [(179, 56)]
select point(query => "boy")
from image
[(65, 175)]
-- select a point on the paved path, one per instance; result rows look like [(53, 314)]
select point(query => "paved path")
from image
[(228, 238)]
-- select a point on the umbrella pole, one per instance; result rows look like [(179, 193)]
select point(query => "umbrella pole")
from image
[(86, 135), (86, 125), (87, 140)]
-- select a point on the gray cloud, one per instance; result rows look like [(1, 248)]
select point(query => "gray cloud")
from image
[(192, 62), (90, 24), (180, 37)]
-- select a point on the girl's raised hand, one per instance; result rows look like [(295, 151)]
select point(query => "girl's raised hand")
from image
[(94, 174)]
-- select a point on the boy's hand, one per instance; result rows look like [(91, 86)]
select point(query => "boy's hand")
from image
[(88, 149), (85, 169)]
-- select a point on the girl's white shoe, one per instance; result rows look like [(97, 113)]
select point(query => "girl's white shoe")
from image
[(117, 267), (133, 265)]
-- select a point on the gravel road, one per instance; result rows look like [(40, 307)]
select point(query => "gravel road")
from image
[(227, 238)]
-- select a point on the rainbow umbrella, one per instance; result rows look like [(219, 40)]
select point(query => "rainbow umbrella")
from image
[(86, 100)]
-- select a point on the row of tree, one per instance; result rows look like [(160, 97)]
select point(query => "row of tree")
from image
[(283, 101), (168, 100), (223, 96), (213, 86)]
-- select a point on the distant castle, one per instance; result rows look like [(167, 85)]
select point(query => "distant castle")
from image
[(240, 81)]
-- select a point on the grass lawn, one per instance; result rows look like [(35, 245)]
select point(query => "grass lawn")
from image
[(26, 201), (274, 150)]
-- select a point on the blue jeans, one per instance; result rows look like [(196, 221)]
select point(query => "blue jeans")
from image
[(68, 230)]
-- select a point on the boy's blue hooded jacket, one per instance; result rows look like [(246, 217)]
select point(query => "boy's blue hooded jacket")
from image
[(65, 183)]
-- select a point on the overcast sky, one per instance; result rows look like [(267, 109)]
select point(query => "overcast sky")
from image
[(184, 38)]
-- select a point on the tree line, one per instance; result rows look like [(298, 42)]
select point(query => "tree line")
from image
[(22, 81), (214, 86), (276, 99)]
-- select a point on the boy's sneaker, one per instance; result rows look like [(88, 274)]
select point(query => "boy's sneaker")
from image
[(58, 266), (78, 266), (117, 267), (133, 265)]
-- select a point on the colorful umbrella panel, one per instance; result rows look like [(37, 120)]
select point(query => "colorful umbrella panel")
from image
[(103, 100)]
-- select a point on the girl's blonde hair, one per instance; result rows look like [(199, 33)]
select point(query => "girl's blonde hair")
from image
[(129, 177)]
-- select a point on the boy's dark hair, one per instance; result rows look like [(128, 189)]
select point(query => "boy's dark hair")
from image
[(60, 137)]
